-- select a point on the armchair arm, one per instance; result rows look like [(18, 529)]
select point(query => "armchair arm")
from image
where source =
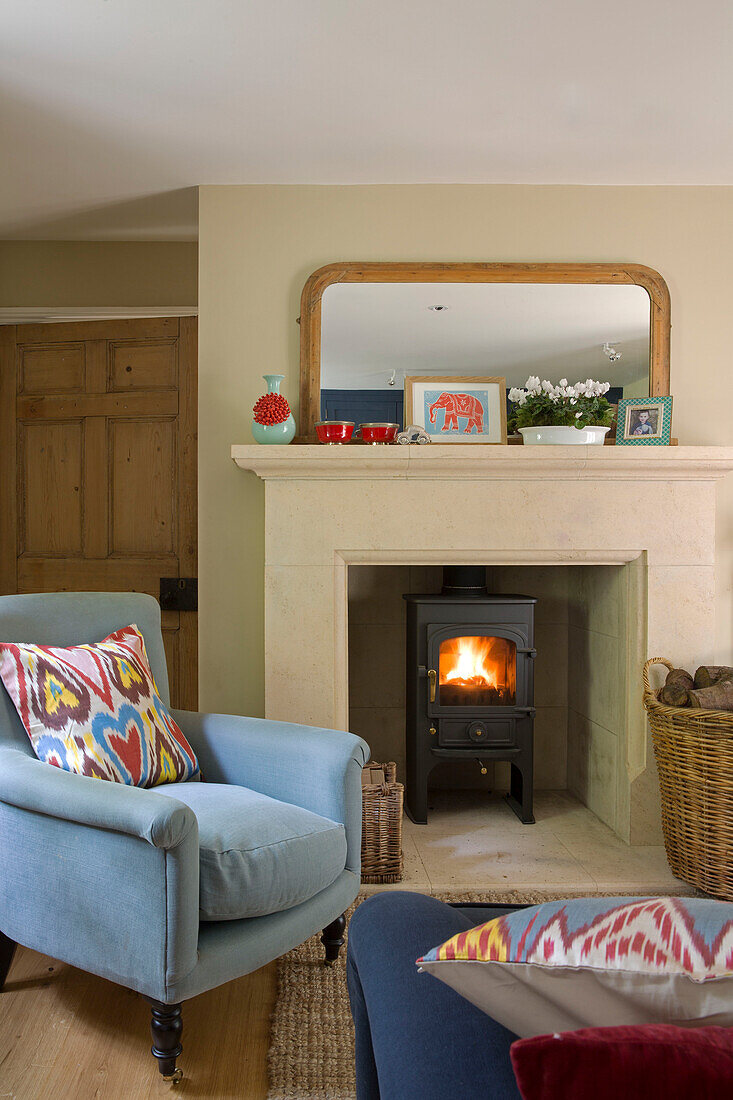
[(318, 769), (99, 874), (32, 784)]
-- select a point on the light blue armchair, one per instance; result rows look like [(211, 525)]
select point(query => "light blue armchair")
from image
[(176, 889)]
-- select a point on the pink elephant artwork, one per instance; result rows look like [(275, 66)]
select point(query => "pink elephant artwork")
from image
[(455, 405)]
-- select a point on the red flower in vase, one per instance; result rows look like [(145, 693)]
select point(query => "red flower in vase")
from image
[(271, 408)]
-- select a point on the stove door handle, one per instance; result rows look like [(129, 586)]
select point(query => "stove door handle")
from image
[(432, 677)]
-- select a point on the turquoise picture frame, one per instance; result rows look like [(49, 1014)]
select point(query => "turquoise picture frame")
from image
[(644, 422)]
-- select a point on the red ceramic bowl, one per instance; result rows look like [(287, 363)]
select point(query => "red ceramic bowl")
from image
[(334, 431), (378, 433)]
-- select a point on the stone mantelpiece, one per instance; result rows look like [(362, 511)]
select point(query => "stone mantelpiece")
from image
[(651, 510), (485, 462)]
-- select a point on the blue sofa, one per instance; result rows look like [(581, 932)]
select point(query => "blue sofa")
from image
[(417, 1039)]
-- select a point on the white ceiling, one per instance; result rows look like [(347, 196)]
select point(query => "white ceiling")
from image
[(113, 111), (506, 329)]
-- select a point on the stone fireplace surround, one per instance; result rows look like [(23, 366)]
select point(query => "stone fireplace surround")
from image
[(649, 512)]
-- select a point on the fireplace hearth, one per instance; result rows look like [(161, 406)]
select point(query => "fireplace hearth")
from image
[(470, 685)]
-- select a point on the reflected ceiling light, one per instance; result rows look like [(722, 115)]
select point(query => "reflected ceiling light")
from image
[(612, 354)]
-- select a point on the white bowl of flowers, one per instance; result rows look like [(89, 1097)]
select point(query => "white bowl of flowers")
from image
[(547, 414)]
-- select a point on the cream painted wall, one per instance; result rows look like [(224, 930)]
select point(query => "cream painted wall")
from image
[(98, 273), (257, 246)]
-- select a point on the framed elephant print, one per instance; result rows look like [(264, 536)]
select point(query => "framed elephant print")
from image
[(457, 409)]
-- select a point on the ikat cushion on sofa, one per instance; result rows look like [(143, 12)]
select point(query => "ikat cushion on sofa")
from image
[(95, 710), (596, 962)]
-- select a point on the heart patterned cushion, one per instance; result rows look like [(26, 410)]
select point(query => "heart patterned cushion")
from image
[(95, 710)]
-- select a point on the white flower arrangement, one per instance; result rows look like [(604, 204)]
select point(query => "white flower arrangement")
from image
[(540, 403)]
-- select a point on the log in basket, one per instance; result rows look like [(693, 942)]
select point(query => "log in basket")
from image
[(694, 753)]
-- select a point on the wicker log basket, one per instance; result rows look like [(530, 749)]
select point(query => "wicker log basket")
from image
[(694, 753), (381, 826)]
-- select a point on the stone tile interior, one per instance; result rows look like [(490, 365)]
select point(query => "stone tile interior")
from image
[(473, 842)]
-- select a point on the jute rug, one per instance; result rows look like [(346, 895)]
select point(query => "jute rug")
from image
[(311, 1054)]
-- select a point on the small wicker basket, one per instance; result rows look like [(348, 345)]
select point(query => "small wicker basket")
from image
[(694, 753), (381, 827)]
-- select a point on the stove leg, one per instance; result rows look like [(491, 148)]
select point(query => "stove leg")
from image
[(416, 787), (416, 805), (520, 794)]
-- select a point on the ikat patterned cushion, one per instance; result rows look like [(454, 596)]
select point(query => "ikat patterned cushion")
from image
[(95, 710), (596, 962)]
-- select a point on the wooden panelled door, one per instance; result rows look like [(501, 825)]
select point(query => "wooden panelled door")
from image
[(98, 467)]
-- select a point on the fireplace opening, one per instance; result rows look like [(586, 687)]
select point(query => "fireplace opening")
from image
[(588, 727)]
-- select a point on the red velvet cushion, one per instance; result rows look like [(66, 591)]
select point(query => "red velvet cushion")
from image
[(626, 1063)]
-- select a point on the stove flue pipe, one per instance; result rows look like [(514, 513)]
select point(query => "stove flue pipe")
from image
[(464, 580)]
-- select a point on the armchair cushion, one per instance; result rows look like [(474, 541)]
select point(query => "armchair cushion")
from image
[(258, 855), (95, 710)]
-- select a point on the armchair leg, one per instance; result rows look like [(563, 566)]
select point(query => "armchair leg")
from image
[(333, 939), (166, 1027), (7, 950)]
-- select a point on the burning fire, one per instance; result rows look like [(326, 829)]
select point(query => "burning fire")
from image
[(478, 662), (466, 662)]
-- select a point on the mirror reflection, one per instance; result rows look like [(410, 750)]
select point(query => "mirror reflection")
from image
[(373, 335)]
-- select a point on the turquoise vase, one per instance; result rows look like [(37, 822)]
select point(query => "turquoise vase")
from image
[(274, 433)]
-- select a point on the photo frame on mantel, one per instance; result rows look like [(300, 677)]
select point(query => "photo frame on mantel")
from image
[(436, 272), (457, 409), (644, 422)]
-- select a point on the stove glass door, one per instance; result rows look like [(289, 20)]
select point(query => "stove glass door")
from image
[(477, 671)]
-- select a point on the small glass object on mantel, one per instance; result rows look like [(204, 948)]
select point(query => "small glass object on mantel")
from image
[(273, 421)]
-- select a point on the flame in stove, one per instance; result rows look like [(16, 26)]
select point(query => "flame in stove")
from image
[(466, 662)]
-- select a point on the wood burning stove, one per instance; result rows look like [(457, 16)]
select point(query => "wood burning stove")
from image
[(470, 685)]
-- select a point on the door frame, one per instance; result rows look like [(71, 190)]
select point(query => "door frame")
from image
[(50, 315)]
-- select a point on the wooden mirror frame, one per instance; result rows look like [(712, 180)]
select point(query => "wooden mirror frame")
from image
[(310, 308)]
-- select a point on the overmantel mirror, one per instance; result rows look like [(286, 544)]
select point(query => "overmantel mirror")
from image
[(365, 327)]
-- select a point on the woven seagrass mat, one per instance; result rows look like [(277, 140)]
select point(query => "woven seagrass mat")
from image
[(311, 1054)]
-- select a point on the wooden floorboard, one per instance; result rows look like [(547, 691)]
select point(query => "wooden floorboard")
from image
[(67, 1034)]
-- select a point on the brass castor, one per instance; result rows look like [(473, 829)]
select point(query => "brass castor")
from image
[(174, 1077)]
